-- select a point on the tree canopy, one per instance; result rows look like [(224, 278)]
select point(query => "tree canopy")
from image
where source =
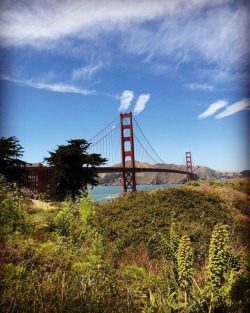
[(73, 168), (11, 166)]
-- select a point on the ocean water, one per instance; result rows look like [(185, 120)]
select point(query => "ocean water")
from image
[(105, 193)]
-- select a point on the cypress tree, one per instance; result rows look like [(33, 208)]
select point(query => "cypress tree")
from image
[(69, 162)]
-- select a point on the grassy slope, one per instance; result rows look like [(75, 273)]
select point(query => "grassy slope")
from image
[(133, 220), (110, 263)]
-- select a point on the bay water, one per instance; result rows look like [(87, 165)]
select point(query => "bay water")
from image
[(105, 193)]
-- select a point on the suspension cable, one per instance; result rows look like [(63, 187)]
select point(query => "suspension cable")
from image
[(148, 142), (104, 128), (145, 149), (103, 136)]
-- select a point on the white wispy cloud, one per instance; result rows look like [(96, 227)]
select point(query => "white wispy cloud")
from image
[(86, 72), (213, 108), (140, 103), (220, 37), (196, 86), (56, 87), (126, 98), (243, 104)]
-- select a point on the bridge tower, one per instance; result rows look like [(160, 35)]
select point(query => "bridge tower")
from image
[(127, 151), (189, 164)]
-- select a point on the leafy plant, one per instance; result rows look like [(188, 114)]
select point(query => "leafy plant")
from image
[(12, 216), (86, 207), (185, 265), (64, 220), (223, 269)]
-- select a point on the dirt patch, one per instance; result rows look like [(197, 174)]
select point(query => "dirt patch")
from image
[(42, 205)]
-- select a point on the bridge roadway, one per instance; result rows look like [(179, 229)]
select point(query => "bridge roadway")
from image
[(113, 169), (143, 169), (41, 176)]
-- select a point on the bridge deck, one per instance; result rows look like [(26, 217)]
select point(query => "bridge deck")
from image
[(140, 169), (104, 169), (49, 170), (41, 177)]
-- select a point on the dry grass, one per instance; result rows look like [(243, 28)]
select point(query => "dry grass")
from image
[(42, 205)]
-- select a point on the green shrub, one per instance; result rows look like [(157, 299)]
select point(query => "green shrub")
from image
[(12, 215), (64, 220), (136, 219), (223, 270), (86, 206), (185, 265)]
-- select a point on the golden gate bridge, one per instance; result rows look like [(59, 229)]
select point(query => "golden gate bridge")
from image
[(125, 132)]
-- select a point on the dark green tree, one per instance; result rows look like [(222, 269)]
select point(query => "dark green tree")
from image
[(11, 166), (74, 169)]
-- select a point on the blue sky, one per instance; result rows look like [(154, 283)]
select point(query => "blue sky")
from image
[(69, 67)]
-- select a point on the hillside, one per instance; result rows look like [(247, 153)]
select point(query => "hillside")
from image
[(204, 173), (127, 255)]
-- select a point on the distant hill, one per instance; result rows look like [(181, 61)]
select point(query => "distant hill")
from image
[(204, 173), (245, 173)]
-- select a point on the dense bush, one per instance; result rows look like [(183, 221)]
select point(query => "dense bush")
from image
[(137, 219)]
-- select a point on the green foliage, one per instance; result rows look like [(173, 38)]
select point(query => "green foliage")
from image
[(169, 305), (11, 166), (43, 197), (185, 259), (137, 219), (223, 270), (12, 216), (173, 239), (132, 271), (130, 255), (168, 246), (69, 177), (64, 220), (193, 184), (86, 207), (218, 259), (242, 185)]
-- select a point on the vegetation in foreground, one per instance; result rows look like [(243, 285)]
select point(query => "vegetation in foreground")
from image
[(173, 250)]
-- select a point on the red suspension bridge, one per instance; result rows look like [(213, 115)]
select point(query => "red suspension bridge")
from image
[(119, 142)]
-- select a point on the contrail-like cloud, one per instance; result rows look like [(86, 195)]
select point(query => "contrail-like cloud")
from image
[(243, 104), (87, 72), (213, 108), (57, 87), (141, 102), (126, 98), (195, 86)]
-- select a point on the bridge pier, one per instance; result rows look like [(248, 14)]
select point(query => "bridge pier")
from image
[(189, 165), (127, 151)]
